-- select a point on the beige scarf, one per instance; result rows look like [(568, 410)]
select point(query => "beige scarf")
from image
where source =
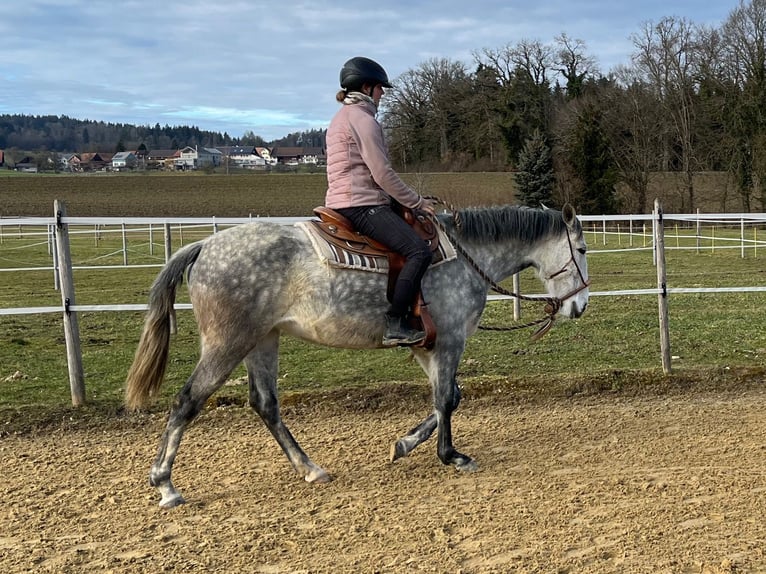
[(356, 97)]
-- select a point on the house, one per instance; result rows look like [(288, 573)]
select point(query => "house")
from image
[(299, 155), (161, 158), (26, 165), (95, 161), (197, 158), (69, 162), (124, 160), (246, 157), (265, 153)]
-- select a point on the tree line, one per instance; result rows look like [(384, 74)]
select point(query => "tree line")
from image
[(22, 134), (692, 99)]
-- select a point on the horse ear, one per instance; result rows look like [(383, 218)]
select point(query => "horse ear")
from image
[(569, 214)]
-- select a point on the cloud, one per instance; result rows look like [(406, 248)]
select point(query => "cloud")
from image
[(271, 68)]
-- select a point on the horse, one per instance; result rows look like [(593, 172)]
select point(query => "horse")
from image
[(250, 283)]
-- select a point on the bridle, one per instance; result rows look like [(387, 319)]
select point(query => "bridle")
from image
[(583, 282), (553, 304)]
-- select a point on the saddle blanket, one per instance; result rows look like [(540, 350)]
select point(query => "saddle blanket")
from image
[(336, 256)]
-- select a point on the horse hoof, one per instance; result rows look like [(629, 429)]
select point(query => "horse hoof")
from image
[(172, 501), (397, 451), (318, 476), (468, 466)]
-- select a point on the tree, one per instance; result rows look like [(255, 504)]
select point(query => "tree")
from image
[(666, 59), (524, 100), (534, 179), (633, 125), (744, 37), (576, 66), (249, 138), (425, 114), (591, 162)]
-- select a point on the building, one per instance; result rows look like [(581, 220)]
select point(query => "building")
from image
[(124, 160), (299, 155), (161, 158), (27, 164), (70, 162), (97, 161), (197, 158), (246, 157), (265, 153)]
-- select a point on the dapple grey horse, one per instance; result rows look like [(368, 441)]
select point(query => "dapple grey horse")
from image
[(250, 283)]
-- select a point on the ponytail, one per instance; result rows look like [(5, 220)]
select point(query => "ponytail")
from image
[(340, 96)]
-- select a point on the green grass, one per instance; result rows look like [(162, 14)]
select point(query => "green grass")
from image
[(616, 342)]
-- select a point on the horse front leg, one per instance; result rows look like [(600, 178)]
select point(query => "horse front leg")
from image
[(446, 399), (262, 368)]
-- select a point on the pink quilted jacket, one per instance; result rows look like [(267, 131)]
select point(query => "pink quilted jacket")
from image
[(358, 170)]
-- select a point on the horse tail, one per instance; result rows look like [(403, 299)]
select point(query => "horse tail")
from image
[(148, 369)]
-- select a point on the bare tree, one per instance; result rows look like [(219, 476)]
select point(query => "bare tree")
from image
[(424, 111), (665, 59), (634, 128), (531, 57), (744, 39), (575, 65)]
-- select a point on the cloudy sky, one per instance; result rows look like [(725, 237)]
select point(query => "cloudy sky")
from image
[(272, 67)]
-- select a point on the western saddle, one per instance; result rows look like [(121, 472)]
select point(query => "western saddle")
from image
[(339, 230)]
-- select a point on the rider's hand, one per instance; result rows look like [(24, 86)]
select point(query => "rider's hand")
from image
[(428, 205)]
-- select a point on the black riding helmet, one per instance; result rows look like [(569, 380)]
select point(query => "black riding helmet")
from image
[(359, 71)]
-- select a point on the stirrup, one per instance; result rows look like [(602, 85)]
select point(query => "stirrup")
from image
[(402, 334), (414, 339)]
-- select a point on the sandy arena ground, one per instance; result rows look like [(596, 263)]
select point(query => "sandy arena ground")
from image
[(603, 483)]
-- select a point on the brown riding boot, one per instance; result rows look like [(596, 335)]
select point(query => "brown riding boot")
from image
[(399, 333)]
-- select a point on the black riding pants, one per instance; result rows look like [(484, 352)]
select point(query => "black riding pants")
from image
[(383, 224)]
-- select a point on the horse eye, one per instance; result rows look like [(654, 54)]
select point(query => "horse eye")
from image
[(581, 250)]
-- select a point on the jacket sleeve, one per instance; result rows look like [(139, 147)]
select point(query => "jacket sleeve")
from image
[(368, 134)]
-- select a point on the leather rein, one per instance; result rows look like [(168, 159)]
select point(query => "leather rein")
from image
[(553, 304)]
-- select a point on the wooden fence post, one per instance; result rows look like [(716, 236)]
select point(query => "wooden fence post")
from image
[(71, 327), (659, 249), (56, 276)]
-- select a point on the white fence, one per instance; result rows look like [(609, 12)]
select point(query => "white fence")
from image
[(631, 232)]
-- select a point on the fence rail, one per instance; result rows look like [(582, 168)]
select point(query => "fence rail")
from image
[(699, 232)]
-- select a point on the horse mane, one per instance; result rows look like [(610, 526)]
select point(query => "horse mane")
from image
[(505, 222)]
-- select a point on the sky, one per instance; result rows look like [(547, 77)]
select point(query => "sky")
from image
[(271, 67)]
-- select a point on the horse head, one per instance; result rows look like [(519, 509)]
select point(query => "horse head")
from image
[(563, 268)]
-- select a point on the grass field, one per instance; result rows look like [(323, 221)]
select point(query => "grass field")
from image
[(615, 345), (198, 194)]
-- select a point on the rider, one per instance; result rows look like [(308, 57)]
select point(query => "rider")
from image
[(362, 186)]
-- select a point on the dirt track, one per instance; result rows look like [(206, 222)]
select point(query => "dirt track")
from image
[(606, 483)]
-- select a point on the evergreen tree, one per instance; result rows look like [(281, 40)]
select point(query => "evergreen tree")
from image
[(534, 180), (593, 164)]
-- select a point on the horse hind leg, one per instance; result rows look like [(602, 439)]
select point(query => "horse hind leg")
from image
[(420, 433), (412, 439), (262, 367), (210, 373), (441, 369)]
